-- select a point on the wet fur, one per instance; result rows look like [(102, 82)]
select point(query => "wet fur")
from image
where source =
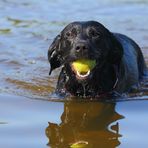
[(120, 63)]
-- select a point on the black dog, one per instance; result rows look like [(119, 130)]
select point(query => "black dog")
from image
[(119, 61)]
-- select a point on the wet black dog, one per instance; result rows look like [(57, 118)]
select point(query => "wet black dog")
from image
[(119, 61)]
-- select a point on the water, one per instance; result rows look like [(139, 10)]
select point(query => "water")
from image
[(27, 118)]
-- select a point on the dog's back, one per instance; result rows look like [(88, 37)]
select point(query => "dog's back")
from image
[(134, 67)]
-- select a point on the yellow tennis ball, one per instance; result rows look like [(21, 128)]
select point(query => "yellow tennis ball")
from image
[(84, 65)]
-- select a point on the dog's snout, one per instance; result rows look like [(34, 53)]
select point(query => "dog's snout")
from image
[(80, 47)]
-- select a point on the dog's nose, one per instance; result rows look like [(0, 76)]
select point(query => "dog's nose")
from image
[(80, 47)]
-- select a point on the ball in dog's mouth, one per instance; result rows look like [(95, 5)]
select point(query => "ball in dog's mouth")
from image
[(82, 67)]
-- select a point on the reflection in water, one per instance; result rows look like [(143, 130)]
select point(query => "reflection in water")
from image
[(91, 123)]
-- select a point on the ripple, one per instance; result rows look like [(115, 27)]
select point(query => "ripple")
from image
[(5, 31)]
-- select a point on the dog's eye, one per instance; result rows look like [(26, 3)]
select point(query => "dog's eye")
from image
[(72, 33), (68, 34), (94, 33)]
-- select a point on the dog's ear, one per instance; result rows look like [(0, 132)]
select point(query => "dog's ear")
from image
[(54, 56), (116, 51)]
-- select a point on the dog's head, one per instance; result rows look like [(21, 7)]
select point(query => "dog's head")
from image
[(84, 40)]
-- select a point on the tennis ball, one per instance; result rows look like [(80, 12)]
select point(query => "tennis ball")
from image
[(83, 65)]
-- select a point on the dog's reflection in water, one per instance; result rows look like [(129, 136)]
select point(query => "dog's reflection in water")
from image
[(92, 124)]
